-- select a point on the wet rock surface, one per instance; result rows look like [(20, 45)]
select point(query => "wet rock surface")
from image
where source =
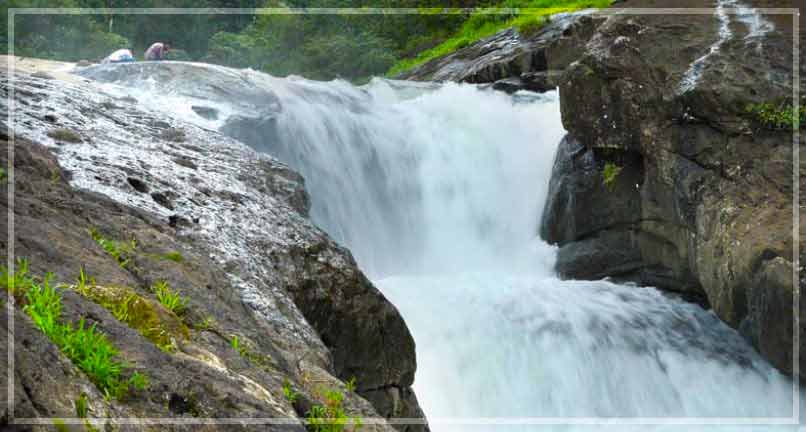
[(250, 264), (703, 204)]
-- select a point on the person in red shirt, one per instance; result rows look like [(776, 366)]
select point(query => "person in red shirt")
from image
[(157, 51)]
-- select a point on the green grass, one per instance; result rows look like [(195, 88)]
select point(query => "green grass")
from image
[(139, 313), (777, 116), (169, 298), (290, 395), (16, 282), (486, 22), (174, 256), (121, 251), (610, 174), (331, 415), (86, 347), (3, 176), (244, 351)]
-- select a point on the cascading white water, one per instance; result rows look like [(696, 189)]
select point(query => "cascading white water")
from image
[(437, 191)]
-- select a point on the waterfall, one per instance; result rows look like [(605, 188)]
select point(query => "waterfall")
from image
[(437, 191)]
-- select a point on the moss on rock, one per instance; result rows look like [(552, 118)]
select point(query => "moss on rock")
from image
[(151, 319)]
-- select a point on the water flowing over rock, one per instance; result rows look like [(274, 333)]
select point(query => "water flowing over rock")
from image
[(437, 191), (703, 204), (251, 265)]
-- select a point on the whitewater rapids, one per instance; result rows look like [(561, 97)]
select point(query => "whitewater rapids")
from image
[(437, 190)]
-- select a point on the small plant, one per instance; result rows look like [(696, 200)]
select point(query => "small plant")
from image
[(235, 343), (349, 385), (170, 299), (82, 406), (253, 357), (206, 324), (121, 251), (174, 256), (60, 426), (779, 116), (3, 176), (290, 395), (331, 416), (16, 283), (86, 347), (609, 175)]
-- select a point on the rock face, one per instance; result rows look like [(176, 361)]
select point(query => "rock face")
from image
[(703, 202), (227, 229), (512, 61)]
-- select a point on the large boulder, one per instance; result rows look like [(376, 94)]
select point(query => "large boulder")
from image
[(703, 203), (227, 229)]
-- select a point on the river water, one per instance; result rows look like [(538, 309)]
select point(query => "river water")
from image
[(437, 190)]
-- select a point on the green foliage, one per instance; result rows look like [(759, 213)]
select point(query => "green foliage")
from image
[(485, 22), (86, 347), (350, 385), (135, 311), (235, 343), (780, 116), (121, 251), (169, 298), (290, 395), (16, 282), (60, 426), (174, 256), (82, 406), (250, 355), (205, 325), (3, 176), (331, 415), (609, 175)]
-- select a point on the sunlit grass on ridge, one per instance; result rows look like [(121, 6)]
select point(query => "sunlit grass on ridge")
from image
[(527, 17)]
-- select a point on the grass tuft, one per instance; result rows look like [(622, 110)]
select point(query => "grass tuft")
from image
[(169, 298), (86, 347), (331, 415), (121, 251), (780, 116)]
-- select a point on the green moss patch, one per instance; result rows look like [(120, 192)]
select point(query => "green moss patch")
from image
[(151, 319)]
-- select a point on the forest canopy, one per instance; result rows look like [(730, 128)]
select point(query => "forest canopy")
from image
[(318, 46)]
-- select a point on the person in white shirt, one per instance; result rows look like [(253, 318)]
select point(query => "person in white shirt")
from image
[(119, 56)]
